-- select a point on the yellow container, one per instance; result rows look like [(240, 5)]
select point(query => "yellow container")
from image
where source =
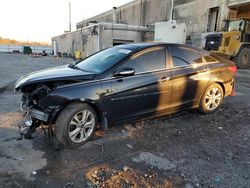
[(78, 54)]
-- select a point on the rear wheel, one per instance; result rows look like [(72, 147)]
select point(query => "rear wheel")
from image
[(243, 58), (211, 99), (75, 125)]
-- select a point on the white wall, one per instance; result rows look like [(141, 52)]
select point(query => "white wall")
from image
[(35, 49), (10, 48)]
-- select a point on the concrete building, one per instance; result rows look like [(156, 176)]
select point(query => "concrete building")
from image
[(98, 36), (199, 16)]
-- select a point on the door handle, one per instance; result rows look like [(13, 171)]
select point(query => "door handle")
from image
[(164, 79)]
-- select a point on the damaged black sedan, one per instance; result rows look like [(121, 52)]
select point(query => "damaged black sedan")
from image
[(120, 84)]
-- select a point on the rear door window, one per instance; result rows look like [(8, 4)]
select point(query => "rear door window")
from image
[(151, 59), (187, 55), (177, 62)]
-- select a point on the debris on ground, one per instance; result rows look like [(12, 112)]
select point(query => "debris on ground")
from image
[(104, 176), (129, 146)]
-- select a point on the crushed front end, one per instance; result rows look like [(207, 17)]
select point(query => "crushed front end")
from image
[(42, 99), (35, 110)]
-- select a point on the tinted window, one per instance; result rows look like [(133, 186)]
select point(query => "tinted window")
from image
[(148, 60), (209, 59), (177, 62), (103, 60), (189, 55)]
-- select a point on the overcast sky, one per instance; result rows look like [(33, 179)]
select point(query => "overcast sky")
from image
[(39, 20)]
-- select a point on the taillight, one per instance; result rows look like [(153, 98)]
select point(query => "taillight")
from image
[(233, 69)]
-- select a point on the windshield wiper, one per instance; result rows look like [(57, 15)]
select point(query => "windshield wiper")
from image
[(74, 66), (87, 70)]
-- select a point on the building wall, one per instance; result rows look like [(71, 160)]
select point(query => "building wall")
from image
[(123, 13), (235, 2), (87, 41), (194, 13), (139, 12), (64, 43), (80, 40), (111, 35)]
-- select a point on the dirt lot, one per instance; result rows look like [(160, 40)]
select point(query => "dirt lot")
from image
[(186, 150)]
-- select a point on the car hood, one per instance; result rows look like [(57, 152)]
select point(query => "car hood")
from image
[(61, 73)]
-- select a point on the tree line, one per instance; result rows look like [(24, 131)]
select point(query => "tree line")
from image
[(7, 41)]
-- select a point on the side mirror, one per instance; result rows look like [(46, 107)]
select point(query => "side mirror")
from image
[(125, 71)]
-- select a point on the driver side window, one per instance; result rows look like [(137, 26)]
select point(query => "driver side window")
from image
[(147, 60)]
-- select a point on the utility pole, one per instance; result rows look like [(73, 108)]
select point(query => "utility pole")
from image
[(69, 16), (172, 10)]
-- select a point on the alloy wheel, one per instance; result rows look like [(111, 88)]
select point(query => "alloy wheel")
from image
[(81, 126), (213, 98)]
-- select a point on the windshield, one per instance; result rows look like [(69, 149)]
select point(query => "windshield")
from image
[(236, 25), (102, 60)]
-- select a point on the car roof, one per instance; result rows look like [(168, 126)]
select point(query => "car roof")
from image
[(135, 46), (140, 46)]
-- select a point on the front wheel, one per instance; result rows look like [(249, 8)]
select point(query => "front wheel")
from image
[(75, 125), (211, 99)]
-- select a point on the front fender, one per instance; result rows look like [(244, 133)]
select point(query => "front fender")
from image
[(90, 92)]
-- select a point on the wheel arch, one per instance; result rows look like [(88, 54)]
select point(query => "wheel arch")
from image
[(222, 86), (99, 112)]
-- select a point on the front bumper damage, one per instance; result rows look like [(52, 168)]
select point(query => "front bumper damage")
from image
[(35, 113), (39, 115), (33, 119)]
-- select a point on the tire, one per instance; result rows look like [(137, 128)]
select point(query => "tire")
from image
[(211, 99), (242, 60), (75, 125)]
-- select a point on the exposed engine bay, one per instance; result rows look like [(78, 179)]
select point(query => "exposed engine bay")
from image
[(37, 114)]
